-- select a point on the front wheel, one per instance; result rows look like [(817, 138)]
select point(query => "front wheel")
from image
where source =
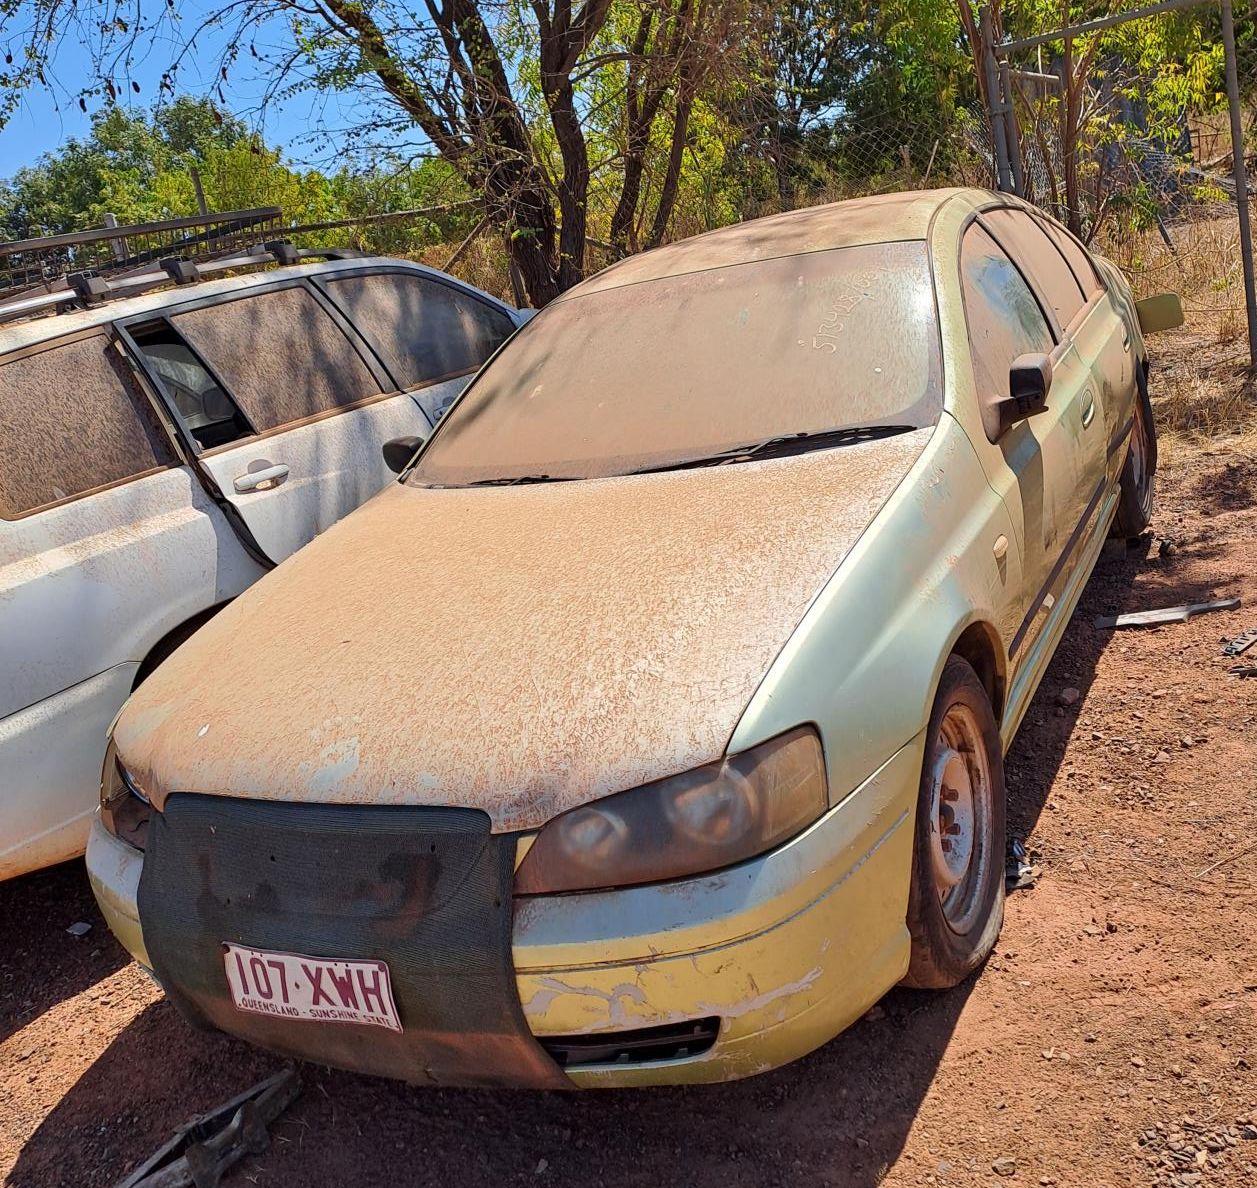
[(956, 901)]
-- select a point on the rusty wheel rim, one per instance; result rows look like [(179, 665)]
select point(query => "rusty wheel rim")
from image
[(960, 817)]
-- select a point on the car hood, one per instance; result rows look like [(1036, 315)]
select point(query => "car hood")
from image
[(521, 650)]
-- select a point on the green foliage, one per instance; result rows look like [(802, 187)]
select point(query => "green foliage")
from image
[(138, 166), (135, 165)]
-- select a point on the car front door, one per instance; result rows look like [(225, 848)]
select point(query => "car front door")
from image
[(430, 333), (286, 408), (1047, 466)]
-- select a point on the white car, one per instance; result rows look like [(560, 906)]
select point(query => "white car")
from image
[(159, 453)]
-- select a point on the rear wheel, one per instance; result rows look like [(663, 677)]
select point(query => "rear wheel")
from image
[(1134, 506), (956, 901)]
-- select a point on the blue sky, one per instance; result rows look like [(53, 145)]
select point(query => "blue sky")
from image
[(306, 125)]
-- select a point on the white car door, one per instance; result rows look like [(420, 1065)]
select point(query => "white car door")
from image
[(107, 543), (287, 406)]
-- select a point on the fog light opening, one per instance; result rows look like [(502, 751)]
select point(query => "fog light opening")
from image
[(644, 1045)]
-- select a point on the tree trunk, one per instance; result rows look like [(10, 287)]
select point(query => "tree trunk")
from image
[(672, 177), (519, 204), (573, 188)]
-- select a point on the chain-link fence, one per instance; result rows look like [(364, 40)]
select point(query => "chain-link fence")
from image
[(1122, 129)]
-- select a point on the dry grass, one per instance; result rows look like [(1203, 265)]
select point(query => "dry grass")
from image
[(482, 265), (1202, 385)]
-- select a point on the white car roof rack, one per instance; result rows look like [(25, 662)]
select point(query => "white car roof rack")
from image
[(82, 269), (88, 289)]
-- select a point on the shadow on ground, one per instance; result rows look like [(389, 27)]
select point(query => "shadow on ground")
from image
[(40, 963), (839, 1116)]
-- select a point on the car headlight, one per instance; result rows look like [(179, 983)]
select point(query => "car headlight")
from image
[(688, 824), (124, 809)]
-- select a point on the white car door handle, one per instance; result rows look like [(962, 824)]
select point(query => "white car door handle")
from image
[(261, 480)]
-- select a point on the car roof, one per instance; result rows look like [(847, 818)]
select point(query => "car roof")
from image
[(41, 329), (881, 218)]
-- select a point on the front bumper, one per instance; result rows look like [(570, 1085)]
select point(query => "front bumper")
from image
[(113, 869), (786, 950)]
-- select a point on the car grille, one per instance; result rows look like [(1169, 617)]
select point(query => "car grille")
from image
[(426, 890)]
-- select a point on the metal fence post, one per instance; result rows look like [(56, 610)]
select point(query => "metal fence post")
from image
[(999, 141), (119, 246), (1013, 133), (1240, 170), (201, 204)]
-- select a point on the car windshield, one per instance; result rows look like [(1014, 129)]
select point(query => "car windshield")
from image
[(668, 372)]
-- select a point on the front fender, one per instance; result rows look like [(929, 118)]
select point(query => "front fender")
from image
[(865, 660)]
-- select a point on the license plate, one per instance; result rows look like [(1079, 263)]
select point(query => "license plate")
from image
[(318, 989)]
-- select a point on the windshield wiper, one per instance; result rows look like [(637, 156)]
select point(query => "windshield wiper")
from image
[(785, 443), (519, 480)]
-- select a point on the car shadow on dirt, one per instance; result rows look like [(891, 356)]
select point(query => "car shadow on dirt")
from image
[(42, 963), (156, 1074), (838, 1116), (1034, 760)]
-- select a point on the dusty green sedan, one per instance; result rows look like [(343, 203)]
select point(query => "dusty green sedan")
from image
[(652, 725)]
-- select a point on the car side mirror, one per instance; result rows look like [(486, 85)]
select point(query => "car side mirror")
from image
[(399, 451), (1162, 312), (1029, 380)]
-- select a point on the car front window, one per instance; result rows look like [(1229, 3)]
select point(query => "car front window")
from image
[(663, 372)]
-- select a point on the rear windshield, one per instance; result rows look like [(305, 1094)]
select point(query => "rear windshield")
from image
[(666, 371)]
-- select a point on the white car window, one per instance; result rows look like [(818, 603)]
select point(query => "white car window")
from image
[(425, 331), (280, 355), (74, 420)]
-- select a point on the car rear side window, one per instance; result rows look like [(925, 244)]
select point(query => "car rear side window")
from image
[(1076, 256), (1037, 257), (1003, 315), (74, 420), (280, 354), (423, 330)]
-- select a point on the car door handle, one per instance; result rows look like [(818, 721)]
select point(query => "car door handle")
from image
[(261, 480), (1088, 408)]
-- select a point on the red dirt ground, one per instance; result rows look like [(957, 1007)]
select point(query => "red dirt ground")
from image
[(1110, 1040)]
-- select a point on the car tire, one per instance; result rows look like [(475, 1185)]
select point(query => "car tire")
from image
[(1135, 496), (956, 899)]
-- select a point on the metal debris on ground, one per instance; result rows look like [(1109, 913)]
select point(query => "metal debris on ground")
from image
[(1243, 670), (1169, 614), (203, 1151), (81, 928), (1241, 643), (1018, 870)]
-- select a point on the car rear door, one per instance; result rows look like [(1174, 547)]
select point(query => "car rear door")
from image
[(1102, 337), (285, 406), (1046, 466), (107, 542)]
